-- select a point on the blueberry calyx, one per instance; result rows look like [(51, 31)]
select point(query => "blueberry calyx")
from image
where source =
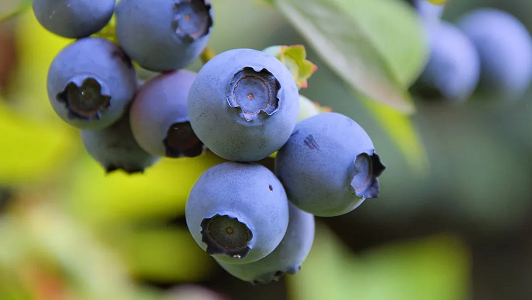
[(427, 91), (367, 169), (181, 141), (192, 19), (84, 101), (269, 277), (254, 92), (112, 168), (226, 235)]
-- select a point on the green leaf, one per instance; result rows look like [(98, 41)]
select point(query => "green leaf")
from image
[(20, 162), (265, 2), (163, 254), (344, 34), (436, 267), (9, 9), (382, 42), (438, 2), (294, 57), (401, 130), (395, 29)]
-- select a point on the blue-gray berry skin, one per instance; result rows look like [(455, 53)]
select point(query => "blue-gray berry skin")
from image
[(505, 49), (453, 69), (90, 83), (243, 105), (286, 258), (328, 166), (73, 19), (115, 148), (163, 35), (429, 11), (237, 212), (159, 117)]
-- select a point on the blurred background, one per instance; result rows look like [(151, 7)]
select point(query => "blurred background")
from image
[(461, 230)]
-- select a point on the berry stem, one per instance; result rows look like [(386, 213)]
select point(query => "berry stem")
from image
[(207, 54)]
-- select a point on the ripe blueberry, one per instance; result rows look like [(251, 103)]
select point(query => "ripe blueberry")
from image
[(452, 71), (73, 19), (428, 11), (286, 258), (159, 118), (237, 212), (328, 166), (243, 105), (115, 148), (90, 82), (163, 35), (505, 49)]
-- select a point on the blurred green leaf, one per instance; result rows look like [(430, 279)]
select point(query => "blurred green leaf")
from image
[(265, 2), (343, 33), (395, 30), (12, 8), (437, 1), (436, 268), (371, 44), (163, 254), (31, 149), (160, 192), (401, 130)]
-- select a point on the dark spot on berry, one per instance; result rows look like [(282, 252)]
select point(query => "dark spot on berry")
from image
[(311, 143)]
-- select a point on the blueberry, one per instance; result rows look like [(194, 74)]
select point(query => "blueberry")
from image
[(163, 35), (73, 19), (243, 105), (237, 212), (159, 118), (115, 148), (286, 258), (428, 11), (90, 82), (328, 166), (505, 49), (452, 71)]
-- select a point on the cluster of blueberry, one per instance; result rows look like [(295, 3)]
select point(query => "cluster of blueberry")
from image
[(243, 105), (487, 53), (93, 84)]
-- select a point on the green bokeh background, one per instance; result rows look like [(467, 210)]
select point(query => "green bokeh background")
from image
[(461, 230)]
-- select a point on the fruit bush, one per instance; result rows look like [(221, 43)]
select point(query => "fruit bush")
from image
[(173, 149)]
